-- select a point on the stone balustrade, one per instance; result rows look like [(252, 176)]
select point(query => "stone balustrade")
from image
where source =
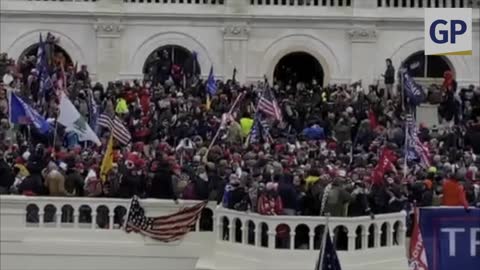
[(295, 232), (249, 229)]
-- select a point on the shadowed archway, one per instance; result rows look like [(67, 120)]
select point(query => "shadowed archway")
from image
[(299, 67), (167, 56)]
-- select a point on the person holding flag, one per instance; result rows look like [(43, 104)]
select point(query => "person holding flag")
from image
[(107, 162), (210, 88), (22, 113)]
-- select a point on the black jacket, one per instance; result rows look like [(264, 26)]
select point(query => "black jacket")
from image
[(162, 186)]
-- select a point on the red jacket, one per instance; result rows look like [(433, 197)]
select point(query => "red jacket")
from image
[(269, 206), (453, 194)]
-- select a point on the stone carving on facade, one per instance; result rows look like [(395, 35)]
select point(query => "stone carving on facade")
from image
[(108, 28), (363, 34), (236, 31)]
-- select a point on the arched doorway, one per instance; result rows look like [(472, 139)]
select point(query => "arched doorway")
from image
[(427, 67), (170, 55), (299, 67), (59, 55)]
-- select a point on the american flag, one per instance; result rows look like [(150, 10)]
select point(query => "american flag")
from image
[(414, 148), (42, 67), (328, 259), (259, 130), (164, 228), (268, 105), (115, 125)]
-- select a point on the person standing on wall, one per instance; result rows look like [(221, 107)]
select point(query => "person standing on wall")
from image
[(389, 78)]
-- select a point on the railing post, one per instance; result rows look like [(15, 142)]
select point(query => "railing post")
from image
[(351, 240), (271, 238), (231, 232), (76, 216), (292, 239), (377, 237), (94, 218), (364, 240), (58, 218), (365, 4), (311, 237), (258, 236), (111, 215), (41, 214)]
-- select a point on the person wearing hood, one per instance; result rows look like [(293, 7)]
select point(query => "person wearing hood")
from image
[(288, 194)]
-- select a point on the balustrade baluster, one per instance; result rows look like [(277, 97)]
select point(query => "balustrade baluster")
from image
[(94, 218), (389, 232), (231, 232), (76, 217), (258, 236), (351, 239), (271, 237), (58, 218), (311, 238), (197, 225), (111, 215), (292, 239), (377, 237), (41, 213), (364, 240)]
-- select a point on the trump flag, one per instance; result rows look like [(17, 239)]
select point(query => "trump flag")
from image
[(451, 238)]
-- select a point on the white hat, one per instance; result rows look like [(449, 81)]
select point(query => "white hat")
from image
[(26, 155)]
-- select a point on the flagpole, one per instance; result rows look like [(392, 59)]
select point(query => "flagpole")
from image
[(124, 225), (220, 127), (324, 241)]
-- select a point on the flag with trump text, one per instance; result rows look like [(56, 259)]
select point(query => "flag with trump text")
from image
[(167, 228), (415, 150)]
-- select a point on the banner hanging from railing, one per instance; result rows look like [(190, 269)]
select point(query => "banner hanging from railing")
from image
[(451, 238)]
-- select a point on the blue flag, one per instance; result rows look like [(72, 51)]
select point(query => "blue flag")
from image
[(211, 85), (42, 66), (413, 90), (259, 130), (22, 113), (328, 259), (451, 237)]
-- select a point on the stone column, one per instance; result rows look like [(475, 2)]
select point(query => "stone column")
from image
[(363, 40), (109, 49), (235, 49)]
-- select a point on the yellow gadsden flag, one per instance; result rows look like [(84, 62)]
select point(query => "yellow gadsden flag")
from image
[(107, 163)]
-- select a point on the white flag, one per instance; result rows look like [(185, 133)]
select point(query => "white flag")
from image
[(73, 121)]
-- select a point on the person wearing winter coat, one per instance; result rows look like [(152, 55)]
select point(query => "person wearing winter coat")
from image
[(162, 186), (288, 194), (269, 203)]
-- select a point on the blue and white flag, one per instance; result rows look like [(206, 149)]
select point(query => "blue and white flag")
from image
[(413, 90), (22, 113), (260, 129), (414, 148), (46, 83)]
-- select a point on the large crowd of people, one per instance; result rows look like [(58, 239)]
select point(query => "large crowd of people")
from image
[(321, 157)]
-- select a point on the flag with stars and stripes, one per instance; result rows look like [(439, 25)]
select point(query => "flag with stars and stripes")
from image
[(328, 259), (415, 150), (259, 130), (268, 105), (46, 83), (115, 125), (168, 228)]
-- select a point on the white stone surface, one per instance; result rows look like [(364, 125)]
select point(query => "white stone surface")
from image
[(115, 38), (58, 245)]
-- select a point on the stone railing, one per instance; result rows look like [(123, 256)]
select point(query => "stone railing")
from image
[(294, 232), (273, 232), (84, 213), (316, 3)]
